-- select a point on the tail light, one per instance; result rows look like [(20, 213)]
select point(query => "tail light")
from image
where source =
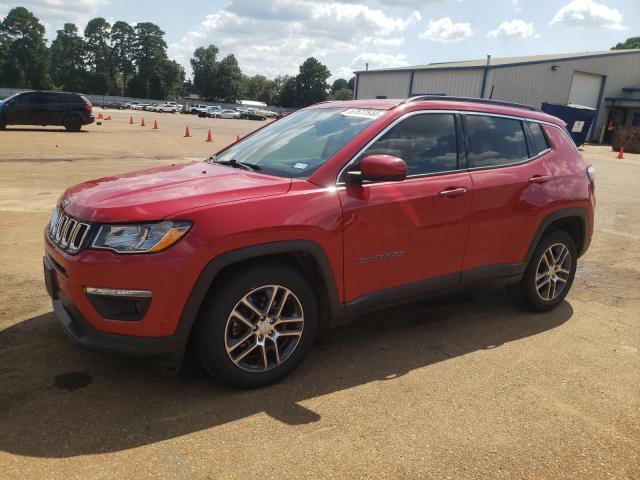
[(88, 107), (591, 173)]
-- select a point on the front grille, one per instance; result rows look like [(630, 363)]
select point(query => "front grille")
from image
[(66, 232)]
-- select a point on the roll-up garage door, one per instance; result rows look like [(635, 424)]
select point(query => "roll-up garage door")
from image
[(585, 89)]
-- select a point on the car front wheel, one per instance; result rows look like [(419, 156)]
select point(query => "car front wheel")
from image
[(257, 326), (550, 273)]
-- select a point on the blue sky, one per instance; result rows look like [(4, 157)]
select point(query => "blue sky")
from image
[(274, 37)]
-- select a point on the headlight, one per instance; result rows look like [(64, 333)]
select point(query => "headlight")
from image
[(140, 237)]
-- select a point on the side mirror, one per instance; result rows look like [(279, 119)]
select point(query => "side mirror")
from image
[(380, 168)]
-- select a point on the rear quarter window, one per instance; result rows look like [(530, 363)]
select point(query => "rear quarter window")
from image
[(494, 141), (539, 139)]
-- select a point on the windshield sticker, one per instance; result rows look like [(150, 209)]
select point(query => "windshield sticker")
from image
[(301, 166), (362, 113)]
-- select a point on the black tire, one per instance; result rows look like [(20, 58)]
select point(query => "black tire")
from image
[(211, 329), (3, 122), (526, 292), (72, 124)]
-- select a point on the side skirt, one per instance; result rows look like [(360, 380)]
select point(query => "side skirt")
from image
[(494, 275)]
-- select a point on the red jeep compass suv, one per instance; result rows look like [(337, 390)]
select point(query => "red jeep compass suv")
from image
[(335, 210)]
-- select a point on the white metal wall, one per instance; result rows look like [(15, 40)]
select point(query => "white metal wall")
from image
[(462, 83), (387, 84)]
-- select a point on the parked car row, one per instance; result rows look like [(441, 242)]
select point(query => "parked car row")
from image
[(170, 107), (216, 111), (202, 110)]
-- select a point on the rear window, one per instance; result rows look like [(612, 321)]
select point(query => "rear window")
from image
[(538, 138), (494, 141)]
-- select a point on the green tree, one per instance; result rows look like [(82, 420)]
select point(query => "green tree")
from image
[(351, 85), (26, 57), (262, 89), (67, 65), (100, 76), (150, 59), (4, 49), (631, 42), (123, 38), (204, 64), (229, 79), (311, 82), (173, 78), (343, 94), (288, 97), (339, 84)]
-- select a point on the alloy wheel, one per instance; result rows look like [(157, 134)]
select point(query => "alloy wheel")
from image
[(553, 272), (264, 328)]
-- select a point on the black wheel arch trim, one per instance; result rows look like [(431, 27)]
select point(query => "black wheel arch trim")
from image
[(217, 264), (579, 212)]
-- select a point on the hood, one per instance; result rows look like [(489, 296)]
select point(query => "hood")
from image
[(154, 194)]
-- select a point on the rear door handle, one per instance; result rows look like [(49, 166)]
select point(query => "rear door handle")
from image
[(540, 178), (452, 192)]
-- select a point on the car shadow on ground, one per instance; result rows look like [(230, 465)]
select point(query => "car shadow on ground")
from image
[(41, 129), (59, 401)]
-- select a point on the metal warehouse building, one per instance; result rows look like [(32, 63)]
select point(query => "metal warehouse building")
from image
[(608, 81)]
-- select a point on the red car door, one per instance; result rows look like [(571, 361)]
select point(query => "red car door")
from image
[(401, 233), (513, 189)]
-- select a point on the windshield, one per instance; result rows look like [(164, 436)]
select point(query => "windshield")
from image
[(300, 143)]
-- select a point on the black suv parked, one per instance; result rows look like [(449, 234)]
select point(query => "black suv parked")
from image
[(46, 108)]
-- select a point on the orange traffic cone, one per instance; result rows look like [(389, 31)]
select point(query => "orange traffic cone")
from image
[(186, 132), (621, 152), (209, 137), (131, 120), (99, 117), (142, 123), (155, 125), (237, 138), (108, 118)]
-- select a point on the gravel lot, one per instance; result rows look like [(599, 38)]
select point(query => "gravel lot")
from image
[(464, 387)]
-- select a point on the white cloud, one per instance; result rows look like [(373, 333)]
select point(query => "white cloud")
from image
[(445, 31), (378, 41), (374, 59), (516, 29), (54, 13), (587, 13), (271, 39)]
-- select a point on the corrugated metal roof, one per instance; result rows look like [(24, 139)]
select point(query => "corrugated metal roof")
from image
[(507, 61)]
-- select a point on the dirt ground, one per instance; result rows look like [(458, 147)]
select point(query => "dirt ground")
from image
[(464, 387)]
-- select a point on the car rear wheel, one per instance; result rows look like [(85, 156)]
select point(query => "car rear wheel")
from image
[(550, 273), (72, 124), (257, 325)]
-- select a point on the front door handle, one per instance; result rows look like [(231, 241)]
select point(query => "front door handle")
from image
[(452, 192), (540, 179)]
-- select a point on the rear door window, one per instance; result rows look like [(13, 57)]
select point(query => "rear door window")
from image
[(494, 141)]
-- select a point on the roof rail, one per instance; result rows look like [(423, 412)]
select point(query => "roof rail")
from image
[(486, 101)]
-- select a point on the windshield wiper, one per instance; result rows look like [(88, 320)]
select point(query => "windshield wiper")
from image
[(236, 164)]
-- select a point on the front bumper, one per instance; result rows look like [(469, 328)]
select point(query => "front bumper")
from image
[(167, 351)]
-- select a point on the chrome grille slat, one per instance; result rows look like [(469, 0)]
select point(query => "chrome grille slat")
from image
[(66, 232)]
